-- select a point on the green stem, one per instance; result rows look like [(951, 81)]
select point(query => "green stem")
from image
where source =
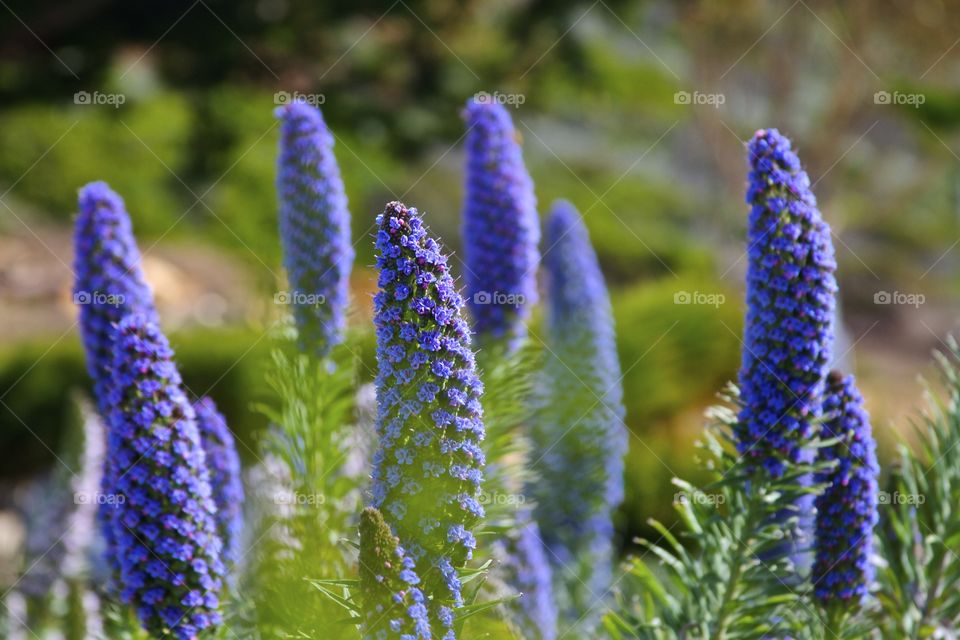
[(930, 596), (736, 570)]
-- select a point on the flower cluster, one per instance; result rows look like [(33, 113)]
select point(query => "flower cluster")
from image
[(109, 279), (109, 284), (847, 509), (164, 528), (223, 464), (500, 225), (428, 467), (788, 336), (314, 227), (393, 606), (579, 435)]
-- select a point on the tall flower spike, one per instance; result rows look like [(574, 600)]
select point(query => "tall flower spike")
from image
[(393, 606), (579, 435), (788, 336), (500, 227), (109, 280), (847, 509), (223, 464), (314, 227), (165, 527), (109, 284), (428, 467)]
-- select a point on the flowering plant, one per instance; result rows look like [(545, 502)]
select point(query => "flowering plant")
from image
[(465, 483)]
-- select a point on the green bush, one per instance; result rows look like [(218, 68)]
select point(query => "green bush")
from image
[(674, 357), (128, 147)]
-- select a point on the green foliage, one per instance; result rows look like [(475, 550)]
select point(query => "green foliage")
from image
[(728, 574), (507, 387), (311, 512), (507, 405), (134, 148), (674, 356), (920, 523)]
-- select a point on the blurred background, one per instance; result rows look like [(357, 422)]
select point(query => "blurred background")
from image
[(636, 111)]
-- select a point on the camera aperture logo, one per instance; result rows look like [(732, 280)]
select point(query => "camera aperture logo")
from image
[(289, 97), (299, 298), (507, 99), (499, 298), (899, 298), (697, 98), (897, 97), (700, 298), (98, 298), (97, 98)]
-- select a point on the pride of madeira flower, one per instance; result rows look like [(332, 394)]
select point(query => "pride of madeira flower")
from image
[(314, 227), (579, 435), (223, 463), (164, 528), (788, 336), (428, 467), (847, 509), (109, 285), (109, 279), (500, 226)]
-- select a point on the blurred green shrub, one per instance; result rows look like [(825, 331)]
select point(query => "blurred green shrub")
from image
[(642, 227), (49, 152), (677, 351), (36, 382)]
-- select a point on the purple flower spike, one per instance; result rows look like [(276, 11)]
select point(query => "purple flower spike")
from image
[(428, 468), (109, 279), (225, 482), (847, 509), (109, 285), (579, 434), (314, 228), (788, 336), (500, 228), (163, 523)]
